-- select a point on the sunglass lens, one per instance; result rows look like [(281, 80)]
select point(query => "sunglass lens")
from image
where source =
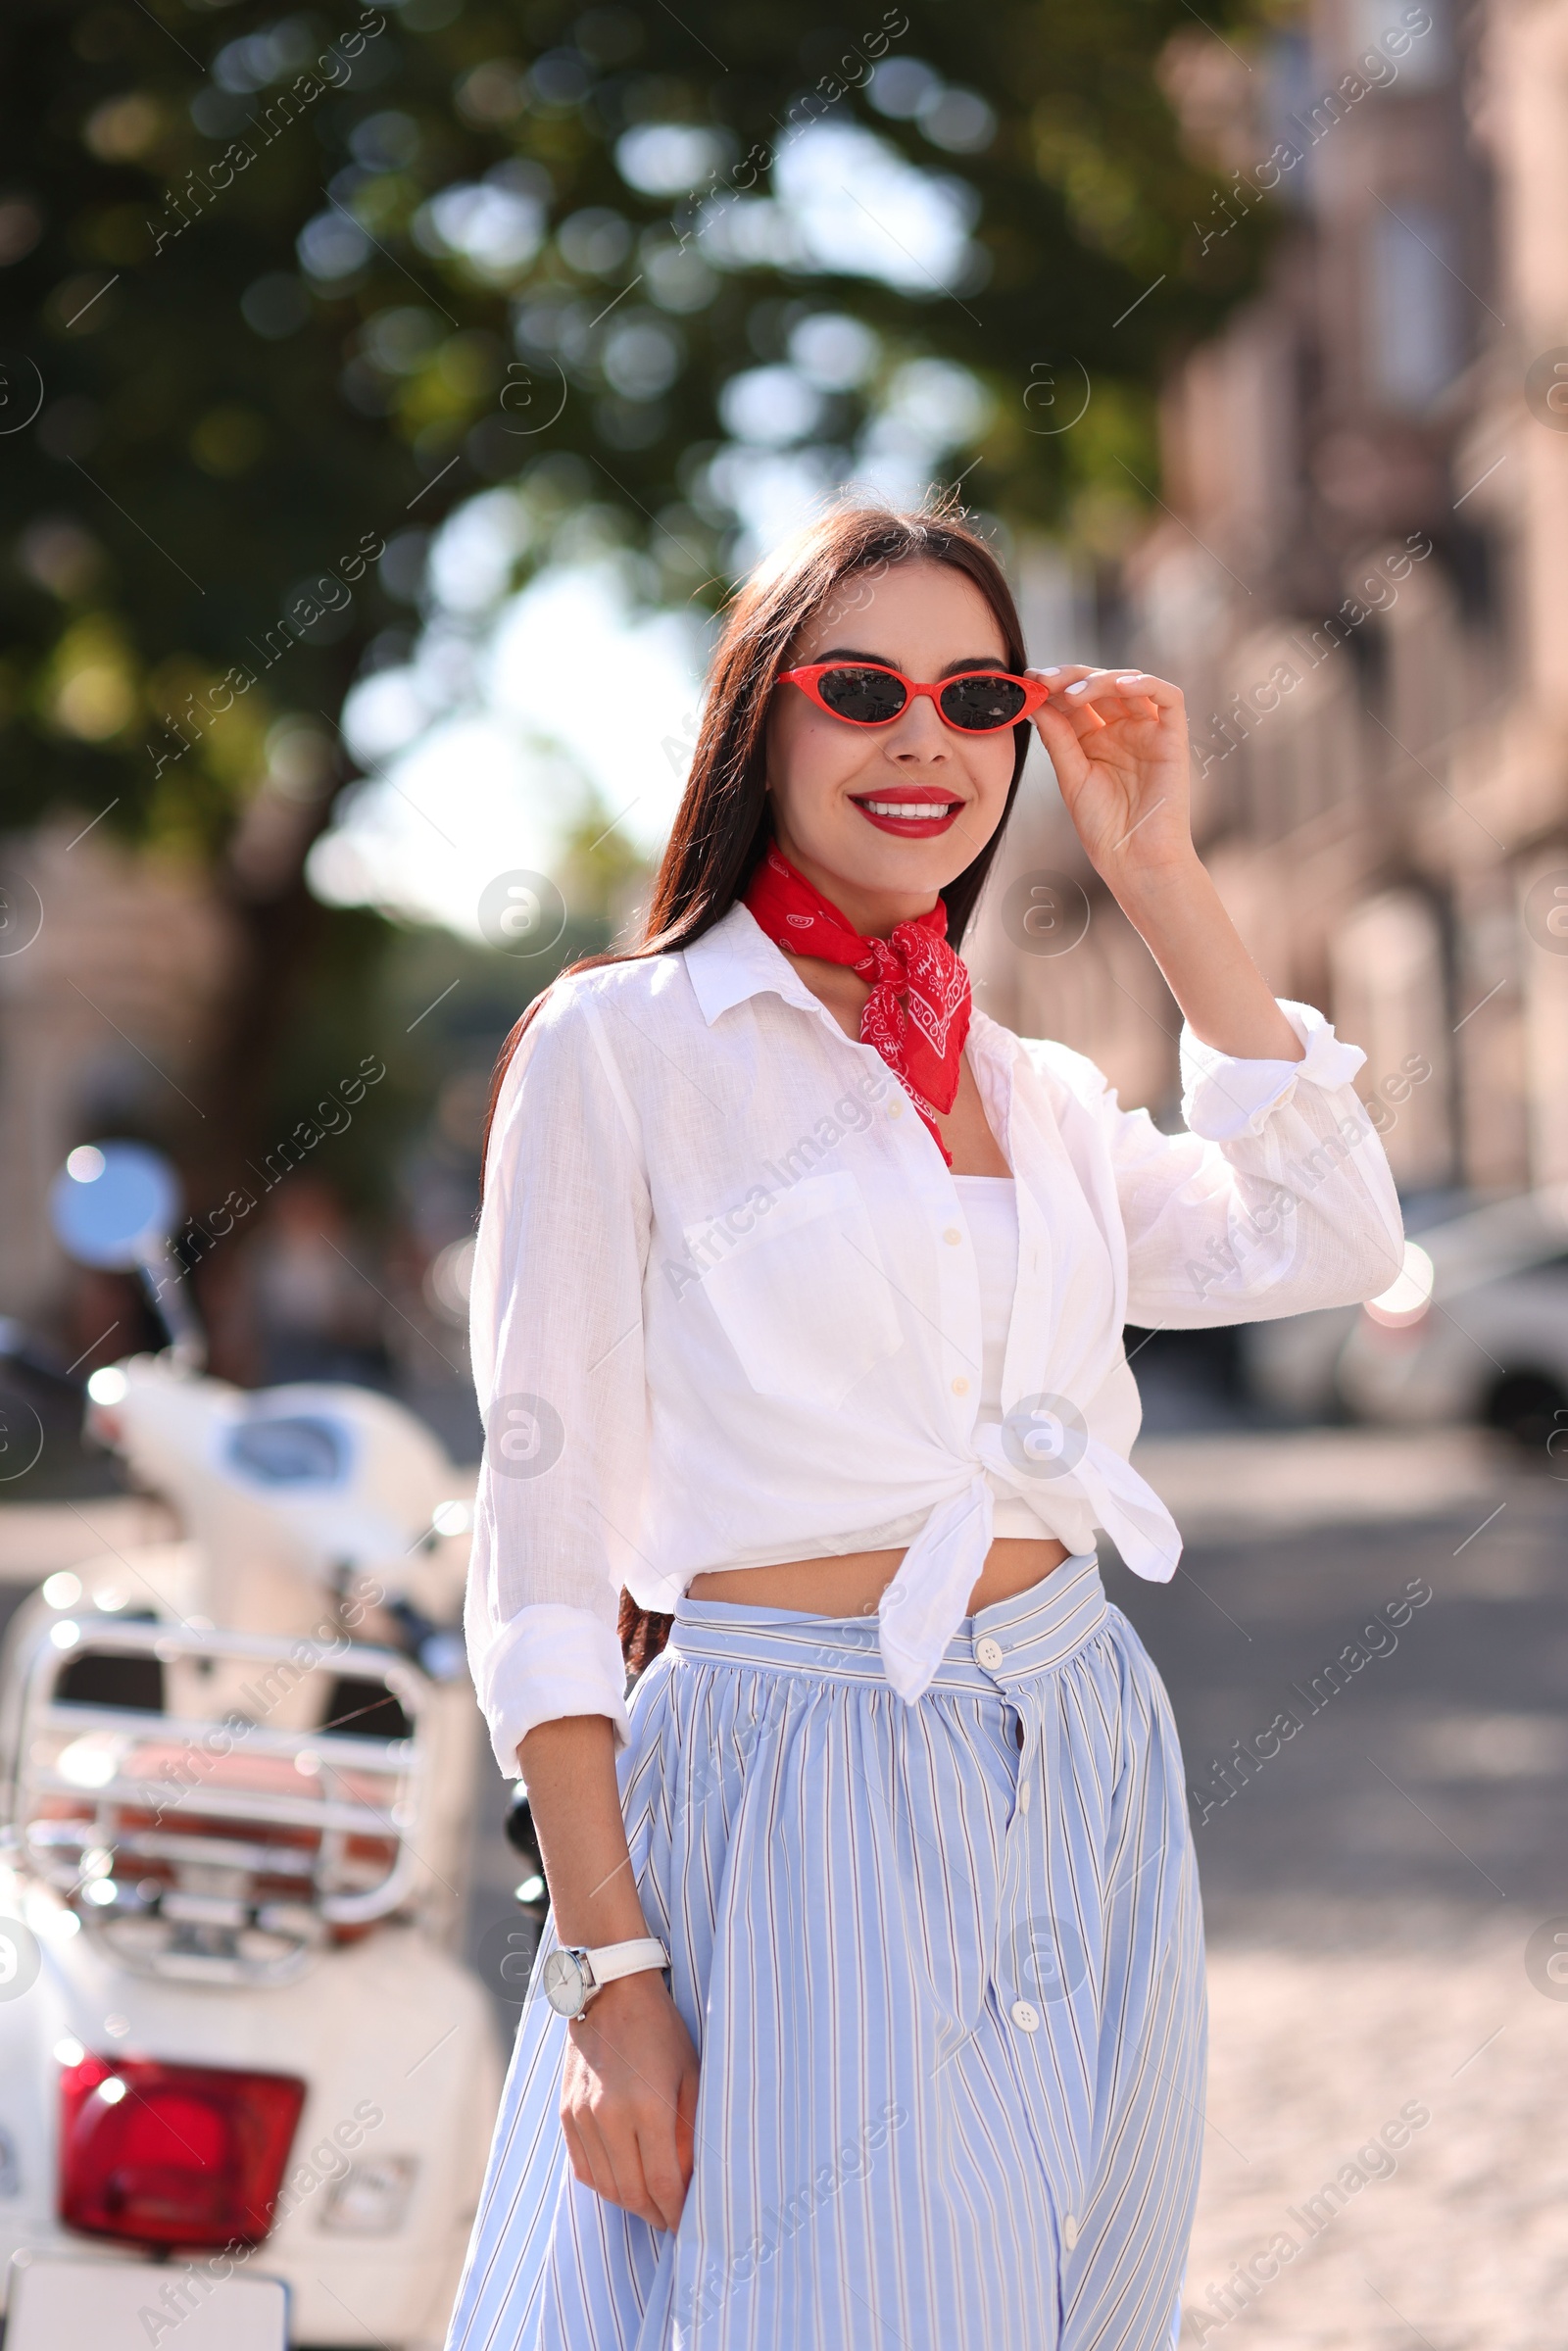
[(982, 704), (870, 696)]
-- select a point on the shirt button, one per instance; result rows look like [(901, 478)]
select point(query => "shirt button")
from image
[(895, 1109), (953, 1236), (961, 1386), (1069, 2233), (989, 1653), (1025, 1793), (1025, 2016)]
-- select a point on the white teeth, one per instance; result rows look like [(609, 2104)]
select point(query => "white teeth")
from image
[(905, 807)]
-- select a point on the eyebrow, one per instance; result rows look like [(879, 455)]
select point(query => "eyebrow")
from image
[(880, 661)]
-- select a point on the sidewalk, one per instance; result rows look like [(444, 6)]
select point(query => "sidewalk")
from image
[(1459, 2239), (1387, 2054)]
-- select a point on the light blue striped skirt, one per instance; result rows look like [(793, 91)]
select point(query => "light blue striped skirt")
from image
[(943, 1965)]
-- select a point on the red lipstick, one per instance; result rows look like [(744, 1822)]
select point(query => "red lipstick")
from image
[(918, 812)]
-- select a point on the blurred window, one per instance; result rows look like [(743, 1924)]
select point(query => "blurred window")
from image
[(1428, 58), (1413, 324)]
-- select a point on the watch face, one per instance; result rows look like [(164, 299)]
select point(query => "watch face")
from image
[(564, 1983)]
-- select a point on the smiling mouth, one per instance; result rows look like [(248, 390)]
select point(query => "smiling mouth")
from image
[(910, 814)]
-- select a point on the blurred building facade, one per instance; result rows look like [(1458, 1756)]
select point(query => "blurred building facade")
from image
[(1361, 580)]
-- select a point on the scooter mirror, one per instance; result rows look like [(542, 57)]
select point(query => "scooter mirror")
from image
[(115, 1205)]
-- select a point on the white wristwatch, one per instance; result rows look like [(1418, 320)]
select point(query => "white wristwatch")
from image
[(571, 1978)]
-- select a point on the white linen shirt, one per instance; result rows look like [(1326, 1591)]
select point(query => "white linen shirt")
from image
[(725, 1307)]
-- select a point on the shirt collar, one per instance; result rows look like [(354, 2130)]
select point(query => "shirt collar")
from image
[(737, 960)]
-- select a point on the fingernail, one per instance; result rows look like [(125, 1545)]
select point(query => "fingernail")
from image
[(1131, 679), (1053, 671), (1079, 687)]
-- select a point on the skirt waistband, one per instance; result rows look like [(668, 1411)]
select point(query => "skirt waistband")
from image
[(1005, 1643)]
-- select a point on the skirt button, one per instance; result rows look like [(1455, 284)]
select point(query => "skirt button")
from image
[(1025, 2016), (989, 1653)]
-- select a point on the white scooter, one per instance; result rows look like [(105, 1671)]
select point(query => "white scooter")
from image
[(246, 2085)]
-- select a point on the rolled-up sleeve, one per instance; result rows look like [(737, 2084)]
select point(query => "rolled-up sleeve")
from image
[(557, 1336), (1277, 1198)]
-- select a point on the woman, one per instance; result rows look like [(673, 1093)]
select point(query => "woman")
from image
[(871, 2009)]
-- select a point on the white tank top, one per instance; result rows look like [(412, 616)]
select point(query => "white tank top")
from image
[(990, 1205)]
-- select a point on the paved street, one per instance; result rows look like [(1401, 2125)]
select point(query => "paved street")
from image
[(1371, 1886)]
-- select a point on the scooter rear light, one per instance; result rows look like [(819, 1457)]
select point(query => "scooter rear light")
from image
[(173, 2154)]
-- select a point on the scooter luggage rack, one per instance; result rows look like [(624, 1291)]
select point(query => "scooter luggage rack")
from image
[(192, 1858)]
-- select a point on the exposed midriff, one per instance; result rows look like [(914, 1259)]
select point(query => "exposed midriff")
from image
[(852, 1584)]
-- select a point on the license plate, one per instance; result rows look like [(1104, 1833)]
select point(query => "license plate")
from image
[(59, 2304)]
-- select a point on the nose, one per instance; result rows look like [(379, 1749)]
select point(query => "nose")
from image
[(919, 735)]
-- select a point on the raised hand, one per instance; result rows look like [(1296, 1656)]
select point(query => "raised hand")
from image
[(1117, 740)]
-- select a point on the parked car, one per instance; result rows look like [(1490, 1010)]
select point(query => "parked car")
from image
[(1475, 1328)]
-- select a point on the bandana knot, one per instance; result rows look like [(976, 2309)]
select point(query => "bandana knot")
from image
[(918, 1013)]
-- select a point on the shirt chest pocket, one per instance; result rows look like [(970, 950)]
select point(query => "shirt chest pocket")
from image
[(801, 1294)]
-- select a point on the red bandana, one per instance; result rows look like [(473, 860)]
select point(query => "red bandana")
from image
[(920, 1044)]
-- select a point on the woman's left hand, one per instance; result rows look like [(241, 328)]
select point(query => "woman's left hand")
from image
[(1117, 740)]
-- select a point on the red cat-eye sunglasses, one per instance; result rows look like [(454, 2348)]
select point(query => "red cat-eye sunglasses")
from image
[(977, 702)]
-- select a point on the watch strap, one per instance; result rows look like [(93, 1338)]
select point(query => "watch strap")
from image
[(611, 1961)]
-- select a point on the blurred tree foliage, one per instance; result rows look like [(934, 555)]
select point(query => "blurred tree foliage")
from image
[(278, 291)]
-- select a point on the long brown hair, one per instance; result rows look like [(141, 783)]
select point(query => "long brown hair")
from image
[(723, 824)]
